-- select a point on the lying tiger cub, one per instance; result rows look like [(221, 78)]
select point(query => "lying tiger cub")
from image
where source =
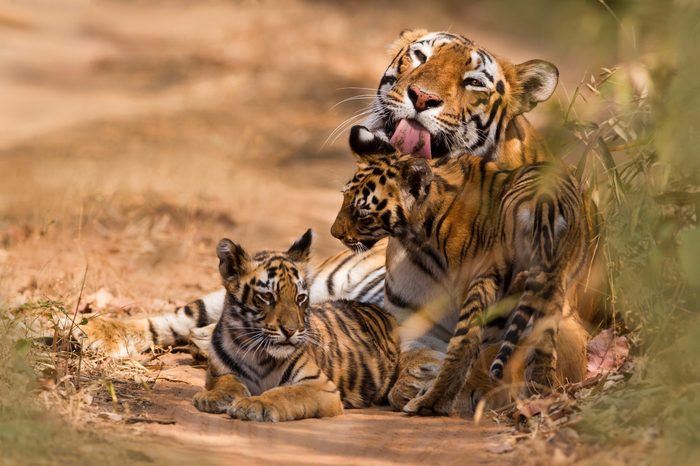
[(479, 233), (274, 358)]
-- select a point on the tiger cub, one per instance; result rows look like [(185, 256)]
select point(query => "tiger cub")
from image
[(273, 357), (480, 233)]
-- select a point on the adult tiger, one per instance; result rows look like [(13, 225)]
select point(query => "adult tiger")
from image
[(441, 95), (476, 233)]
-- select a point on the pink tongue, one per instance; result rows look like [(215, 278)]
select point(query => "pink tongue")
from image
[(411, 137)]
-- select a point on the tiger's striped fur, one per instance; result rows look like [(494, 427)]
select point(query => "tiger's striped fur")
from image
[(508, 139), (273, 357), (477, 233), (494, 128)]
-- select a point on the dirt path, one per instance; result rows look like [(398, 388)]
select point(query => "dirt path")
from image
[(369, 436)]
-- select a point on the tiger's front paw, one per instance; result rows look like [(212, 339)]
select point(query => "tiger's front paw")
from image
[(416, 377), (408, 387), (255, 408), (429, 404), (212, 401)]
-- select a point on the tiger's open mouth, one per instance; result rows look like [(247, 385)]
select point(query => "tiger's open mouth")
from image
[(410, 137)]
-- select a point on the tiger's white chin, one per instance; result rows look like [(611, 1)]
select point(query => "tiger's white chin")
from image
[(281, 351)]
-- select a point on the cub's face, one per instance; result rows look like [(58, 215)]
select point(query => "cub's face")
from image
[(267, 296), (444, 95), (377, 201)]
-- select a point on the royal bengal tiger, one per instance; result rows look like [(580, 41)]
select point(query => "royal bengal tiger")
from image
[(274, 357), (440, 91), (476, 233)]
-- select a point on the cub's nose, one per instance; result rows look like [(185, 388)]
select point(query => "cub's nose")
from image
[(337, 229), (422, 100)]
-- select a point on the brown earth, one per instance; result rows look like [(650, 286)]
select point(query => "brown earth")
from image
[(369, 436), (134, 135)]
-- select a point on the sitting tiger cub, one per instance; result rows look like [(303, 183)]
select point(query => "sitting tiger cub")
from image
[(479, 233), (275, 358)]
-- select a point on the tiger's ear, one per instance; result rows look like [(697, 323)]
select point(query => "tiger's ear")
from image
[(536, 81), (233, 260), (405, 38), (301, 249), (416, 176), (365, 144)]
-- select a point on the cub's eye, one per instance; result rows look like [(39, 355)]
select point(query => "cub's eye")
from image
[(301, 299), (473, 82), (265, 298), (420, 56)]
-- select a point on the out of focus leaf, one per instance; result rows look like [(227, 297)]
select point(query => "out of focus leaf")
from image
[(22, 347), (606, 352)]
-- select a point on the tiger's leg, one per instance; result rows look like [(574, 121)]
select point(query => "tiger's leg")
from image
[(540, 366), (308, 394), (220, 393), (570, 368), (542, 298), (417, 371), (461, 351)]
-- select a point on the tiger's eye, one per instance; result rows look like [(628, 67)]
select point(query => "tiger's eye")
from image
[(472, 82), (420, 56), (266, 298)]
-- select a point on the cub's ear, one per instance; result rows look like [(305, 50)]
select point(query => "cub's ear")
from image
[(301, 249), (233, 260), (416, 176), (536, 81), (365, 144), (405, 38)]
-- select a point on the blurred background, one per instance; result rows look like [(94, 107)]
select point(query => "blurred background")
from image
[(135, 134)]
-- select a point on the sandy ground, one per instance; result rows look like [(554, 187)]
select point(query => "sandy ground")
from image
[(134, 135), (370, 436)]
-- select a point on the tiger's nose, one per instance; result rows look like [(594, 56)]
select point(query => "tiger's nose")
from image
[(422, 100), (287, 331)]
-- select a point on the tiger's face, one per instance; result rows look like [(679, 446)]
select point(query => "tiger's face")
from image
[(378, 199), (267, 296), (444, 95)]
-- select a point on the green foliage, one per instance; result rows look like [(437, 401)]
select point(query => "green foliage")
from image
[(636, 140)]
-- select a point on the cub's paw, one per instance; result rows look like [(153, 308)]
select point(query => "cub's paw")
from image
[(212, 401), (255, 408), (413, 381), (429, 404)]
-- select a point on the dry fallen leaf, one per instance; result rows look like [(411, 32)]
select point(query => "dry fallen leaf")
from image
[(606, 353), (534, 407)]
